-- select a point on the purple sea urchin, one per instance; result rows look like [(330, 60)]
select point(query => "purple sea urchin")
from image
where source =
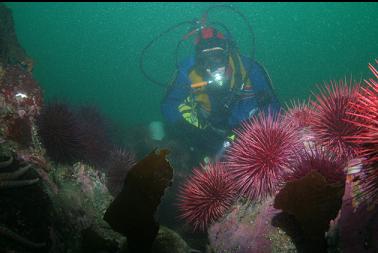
[(120, 162), (60, 133)]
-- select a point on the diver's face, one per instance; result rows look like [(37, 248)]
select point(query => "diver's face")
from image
[(213, 59)]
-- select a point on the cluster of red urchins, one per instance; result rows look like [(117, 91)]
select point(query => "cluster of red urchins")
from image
[(266, 150)]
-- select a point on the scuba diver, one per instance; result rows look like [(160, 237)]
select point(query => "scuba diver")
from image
[(214, 91)]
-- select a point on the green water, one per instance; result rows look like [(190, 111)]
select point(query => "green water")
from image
[(90, 51)]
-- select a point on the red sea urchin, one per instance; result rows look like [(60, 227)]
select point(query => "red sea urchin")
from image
[(328, 125), (366, 113), (330, 166), (206, 196), (261, 154), (366, 117), (298, 114)]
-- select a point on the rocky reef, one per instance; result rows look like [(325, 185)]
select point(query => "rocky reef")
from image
[(47, 206)]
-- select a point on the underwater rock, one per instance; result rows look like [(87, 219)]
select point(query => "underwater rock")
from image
[(22, 229), (132, 211), (20, 131), (92, 241), (10, 50), (166, 241), (78, 208), (248, 228), (356, 226), (20, 103), (20, 95)]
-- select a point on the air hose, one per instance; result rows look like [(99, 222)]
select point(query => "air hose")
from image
[(196, 26)]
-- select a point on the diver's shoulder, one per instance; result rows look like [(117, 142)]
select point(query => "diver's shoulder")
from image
[(247, 60)]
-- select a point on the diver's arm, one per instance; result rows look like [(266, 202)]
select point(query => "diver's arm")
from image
[(175, 95), (259, 98), (265, 95)]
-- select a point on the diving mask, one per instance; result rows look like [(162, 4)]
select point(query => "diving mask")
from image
[(217, 77)]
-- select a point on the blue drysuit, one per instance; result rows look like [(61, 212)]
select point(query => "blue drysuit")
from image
[(246, 104)]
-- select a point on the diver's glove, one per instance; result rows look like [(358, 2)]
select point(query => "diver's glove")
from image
[(194, 114)]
